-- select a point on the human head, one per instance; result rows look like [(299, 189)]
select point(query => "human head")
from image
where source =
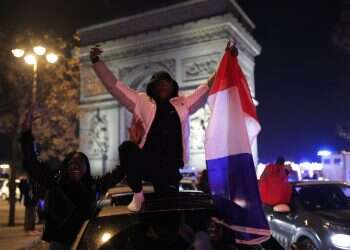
[(77, 167), (162, 86), (280, 160)]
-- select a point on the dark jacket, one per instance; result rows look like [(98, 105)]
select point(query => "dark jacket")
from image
[(68, 204), (28, 189)]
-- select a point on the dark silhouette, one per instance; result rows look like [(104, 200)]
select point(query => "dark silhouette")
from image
[(203, 182), (71, 190)]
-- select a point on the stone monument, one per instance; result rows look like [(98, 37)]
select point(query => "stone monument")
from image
[(186, 39)]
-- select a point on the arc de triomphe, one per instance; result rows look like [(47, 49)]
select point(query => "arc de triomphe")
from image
[(186, 39)]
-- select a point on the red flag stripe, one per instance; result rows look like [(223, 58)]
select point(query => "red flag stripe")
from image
[(229, 75)]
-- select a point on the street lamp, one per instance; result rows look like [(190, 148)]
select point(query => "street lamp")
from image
[(18, 52), (51, 58), (32, 59), (39, 50)]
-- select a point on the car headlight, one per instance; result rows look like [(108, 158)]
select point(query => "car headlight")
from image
[(341, 241), (106, 237)]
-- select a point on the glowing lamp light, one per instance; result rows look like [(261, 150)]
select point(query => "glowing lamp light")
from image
[(39, 50), (341, 241), (17, 52), (4, 166), (106, 237), (51, 58), (30, 59), (324, 153)]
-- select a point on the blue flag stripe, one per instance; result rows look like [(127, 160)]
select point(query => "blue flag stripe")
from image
[(236, 196)]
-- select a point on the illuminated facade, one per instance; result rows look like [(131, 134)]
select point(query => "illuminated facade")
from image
[(336, 167)]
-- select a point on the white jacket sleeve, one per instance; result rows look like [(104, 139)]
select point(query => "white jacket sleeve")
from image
[(125, 95)]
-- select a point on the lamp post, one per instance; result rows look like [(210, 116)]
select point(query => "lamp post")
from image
[(32, 59)]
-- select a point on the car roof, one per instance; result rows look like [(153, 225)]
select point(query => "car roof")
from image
[(154, 203), (317, 182), (121, 190), (186, 181)]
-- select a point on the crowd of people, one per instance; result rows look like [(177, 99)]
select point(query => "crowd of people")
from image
[(156, 150)]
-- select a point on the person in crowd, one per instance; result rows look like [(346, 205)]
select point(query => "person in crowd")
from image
[(21, 186), (274, 187), (30, 204), (164, 114), (71, 189)]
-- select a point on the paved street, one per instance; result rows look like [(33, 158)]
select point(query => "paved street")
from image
[(12, 238)]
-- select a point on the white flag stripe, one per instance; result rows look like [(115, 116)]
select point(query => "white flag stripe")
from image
[(227, 132), (253, 127)]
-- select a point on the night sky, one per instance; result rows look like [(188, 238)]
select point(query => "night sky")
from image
[(300, 76)]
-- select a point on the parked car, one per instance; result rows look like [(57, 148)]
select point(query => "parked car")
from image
[(4, 189), (319, 217)]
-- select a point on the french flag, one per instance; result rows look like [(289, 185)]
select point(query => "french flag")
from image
[(232, 128)]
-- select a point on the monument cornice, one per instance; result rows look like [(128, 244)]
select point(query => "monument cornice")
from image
[(204, 30), (155, 19)]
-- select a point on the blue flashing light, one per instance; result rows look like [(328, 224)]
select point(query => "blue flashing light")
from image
[(324, 153)]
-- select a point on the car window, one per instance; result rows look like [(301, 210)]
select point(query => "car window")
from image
[(346, 191), (324, 197), (187, 186), (161, 230)]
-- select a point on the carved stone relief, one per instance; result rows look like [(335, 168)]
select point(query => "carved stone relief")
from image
[(201, 67), (98, 135), (92, 86), (144, 68), (198, 124)]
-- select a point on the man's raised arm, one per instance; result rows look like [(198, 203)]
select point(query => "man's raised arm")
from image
[(125, 95)]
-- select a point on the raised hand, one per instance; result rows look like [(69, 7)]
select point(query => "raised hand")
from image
[(95, 52), (231, 46)]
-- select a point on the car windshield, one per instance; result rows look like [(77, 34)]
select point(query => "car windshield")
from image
[(186, 186), (324, 197)]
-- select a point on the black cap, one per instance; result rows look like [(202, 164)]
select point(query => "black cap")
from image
[(157, 77)]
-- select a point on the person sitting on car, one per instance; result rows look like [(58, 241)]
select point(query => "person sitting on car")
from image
[(72, 191), (164, 114), (274, 187)]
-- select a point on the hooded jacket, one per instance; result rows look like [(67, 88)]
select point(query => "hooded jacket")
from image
[(144, 107)]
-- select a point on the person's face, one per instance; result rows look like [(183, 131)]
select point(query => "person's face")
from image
[(164, 89), (76, 168)]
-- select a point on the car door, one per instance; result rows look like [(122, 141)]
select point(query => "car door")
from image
[(282, 224)]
